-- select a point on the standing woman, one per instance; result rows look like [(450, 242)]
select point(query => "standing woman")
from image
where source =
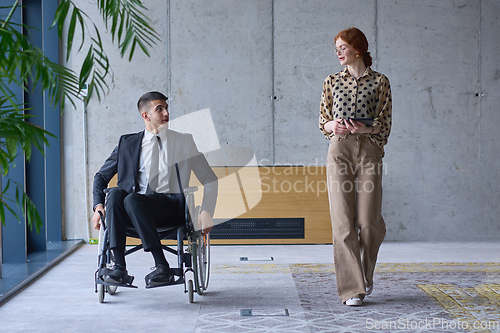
[(354, 162)]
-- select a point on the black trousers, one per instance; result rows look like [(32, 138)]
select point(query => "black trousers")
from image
[(144, 212)]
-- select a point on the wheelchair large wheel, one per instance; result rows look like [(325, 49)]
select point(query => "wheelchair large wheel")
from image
[(201, 261), (204, 259)]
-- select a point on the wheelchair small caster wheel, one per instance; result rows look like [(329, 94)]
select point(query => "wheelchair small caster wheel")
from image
[(190, 291), (100, 292)]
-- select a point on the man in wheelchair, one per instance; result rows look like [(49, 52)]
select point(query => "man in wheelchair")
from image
[(152, 165)]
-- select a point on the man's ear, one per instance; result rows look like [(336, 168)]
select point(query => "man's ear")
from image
[(145, 115)]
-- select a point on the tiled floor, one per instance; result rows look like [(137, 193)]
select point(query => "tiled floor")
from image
[(426, 287)]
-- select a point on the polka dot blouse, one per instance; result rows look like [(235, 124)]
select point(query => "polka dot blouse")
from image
[(368, 97)]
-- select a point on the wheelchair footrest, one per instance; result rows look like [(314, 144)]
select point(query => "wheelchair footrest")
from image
[(104, 271), (175, 272), (180, 280)]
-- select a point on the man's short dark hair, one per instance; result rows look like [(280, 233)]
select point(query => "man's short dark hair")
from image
[(149, 97)]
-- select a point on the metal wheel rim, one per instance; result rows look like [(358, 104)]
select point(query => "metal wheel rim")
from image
[(196, 246), (205, 262), (199, 260), (203, 259)]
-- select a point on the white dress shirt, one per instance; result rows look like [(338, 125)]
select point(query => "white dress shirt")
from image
[(145, 162)]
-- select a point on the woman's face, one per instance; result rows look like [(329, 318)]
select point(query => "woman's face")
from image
[(345, 52)]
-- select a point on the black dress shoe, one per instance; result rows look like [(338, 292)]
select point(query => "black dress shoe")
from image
[(159, 277), (118, 275)]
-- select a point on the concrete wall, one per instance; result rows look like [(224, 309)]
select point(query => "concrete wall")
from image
[(259, 66)]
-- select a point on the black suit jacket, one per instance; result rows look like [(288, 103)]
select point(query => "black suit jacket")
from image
[(181, 149)]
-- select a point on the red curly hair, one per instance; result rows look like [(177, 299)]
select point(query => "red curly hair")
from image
[(357, 39)]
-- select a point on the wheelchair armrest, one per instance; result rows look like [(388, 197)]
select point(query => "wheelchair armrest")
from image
[(190, 190)]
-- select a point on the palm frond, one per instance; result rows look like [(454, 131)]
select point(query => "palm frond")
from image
[(128, 16), (22, 61), (119, 16)]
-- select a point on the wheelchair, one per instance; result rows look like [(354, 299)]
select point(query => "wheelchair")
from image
[(193, 256)]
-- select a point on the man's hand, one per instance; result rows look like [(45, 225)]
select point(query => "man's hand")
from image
[(97, 217), (206, 222)]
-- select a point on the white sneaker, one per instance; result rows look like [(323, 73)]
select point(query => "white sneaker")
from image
[(353, 302), (369, 290)]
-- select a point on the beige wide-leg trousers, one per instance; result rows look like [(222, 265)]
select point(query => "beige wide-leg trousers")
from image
[(354, 171)]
